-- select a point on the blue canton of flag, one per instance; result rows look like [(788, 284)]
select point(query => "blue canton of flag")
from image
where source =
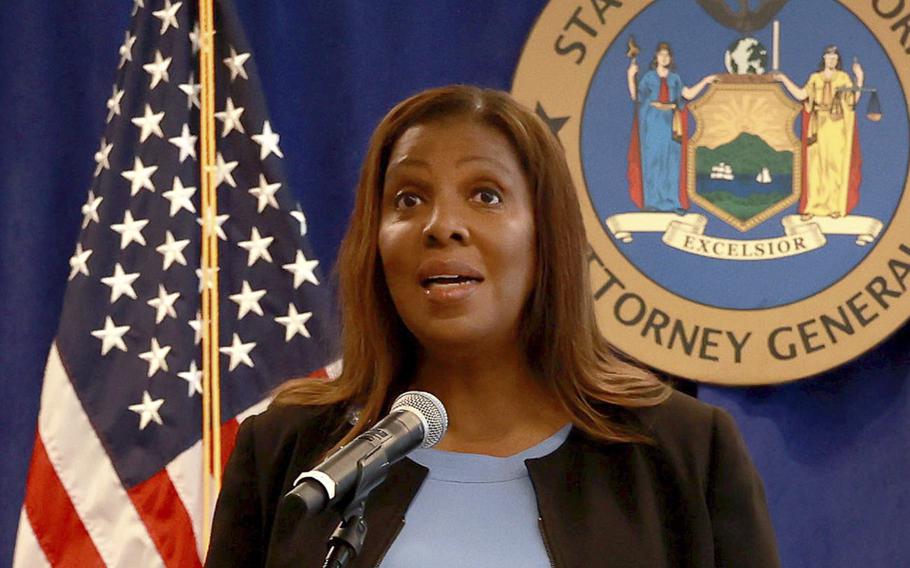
[(116, 476)]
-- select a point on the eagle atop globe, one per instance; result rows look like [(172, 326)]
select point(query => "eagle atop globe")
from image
[(746, 56)]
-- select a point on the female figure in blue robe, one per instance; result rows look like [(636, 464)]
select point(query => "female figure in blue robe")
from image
[(657, 150)]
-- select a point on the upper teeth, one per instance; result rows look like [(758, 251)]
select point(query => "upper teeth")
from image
[(444, 277)]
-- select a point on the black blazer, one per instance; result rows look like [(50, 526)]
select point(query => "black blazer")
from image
[(691, 499)]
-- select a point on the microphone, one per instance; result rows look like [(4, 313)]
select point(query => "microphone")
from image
[(417, 419)]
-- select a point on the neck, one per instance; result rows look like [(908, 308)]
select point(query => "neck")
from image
[(496, 404)]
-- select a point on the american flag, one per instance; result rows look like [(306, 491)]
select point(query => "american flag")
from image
[(116, 474)]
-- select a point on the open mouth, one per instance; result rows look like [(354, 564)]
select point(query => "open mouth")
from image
[(448, 281)]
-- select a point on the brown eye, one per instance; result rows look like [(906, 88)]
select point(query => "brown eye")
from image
[(488, 196), (406, 200)]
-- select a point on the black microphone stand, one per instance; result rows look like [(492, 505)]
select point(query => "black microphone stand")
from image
[(347, 540)]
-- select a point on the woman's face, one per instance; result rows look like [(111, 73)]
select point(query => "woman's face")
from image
[(457, 235), (664, 58), (830, 60)]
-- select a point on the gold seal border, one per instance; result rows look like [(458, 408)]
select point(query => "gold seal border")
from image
[(560, 85)]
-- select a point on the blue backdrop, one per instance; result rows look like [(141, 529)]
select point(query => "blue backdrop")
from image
[(833, 450)]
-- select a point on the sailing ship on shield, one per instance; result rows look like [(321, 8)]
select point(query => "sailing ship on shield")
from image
[(745, 163)]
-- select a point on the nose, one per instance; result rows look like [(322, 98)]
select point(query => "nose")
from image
[(445, 225)]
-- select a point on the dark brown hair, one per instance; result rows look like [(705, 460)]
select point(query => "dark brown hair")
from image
[(560, 334), (660, 46), (831, 49)]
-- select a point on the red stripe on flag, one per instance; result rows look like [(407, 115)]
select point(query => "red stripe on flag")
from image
[(228, 439), (54, 520), (168, 523), (320, 373)]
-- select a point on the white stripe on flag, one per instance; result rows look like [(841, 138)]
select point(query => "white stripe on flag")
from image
[(333, 369), (185, 472), (28, 553), (257, 408), (88, 476)]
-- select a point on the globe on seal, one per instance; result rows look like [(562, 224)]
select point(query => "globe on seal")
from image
[(746, 56)]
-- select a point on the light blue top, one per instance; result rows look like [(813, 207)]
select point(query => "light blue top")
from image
[(473, 510)]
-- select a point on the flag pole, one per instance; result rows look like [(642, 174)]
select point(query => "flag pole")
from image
[(211, 395)]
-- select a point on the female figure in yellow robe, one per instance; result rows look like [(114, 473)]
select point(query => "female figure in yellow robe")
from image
[(831, 157)]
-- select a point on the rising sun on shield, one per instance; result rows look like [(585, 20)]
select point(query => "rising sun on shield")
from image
[(744, 161)]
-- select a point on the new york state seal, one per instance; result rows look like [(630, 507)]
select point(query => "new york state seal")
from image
[(743, 175)]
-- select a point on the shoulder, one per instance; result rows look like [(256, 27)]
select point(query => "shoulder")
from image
[(285, 430), (705, 459), (689, 432), (281, 421), (706, 453), (275, 446), (678, 410), (271, 448)]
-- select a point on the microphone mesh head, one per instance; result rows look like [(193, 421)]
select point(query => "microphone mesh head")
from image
[(430, 409)]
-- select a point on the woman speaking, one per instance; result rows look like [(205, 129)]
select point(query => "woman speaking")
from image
[(464, 273)]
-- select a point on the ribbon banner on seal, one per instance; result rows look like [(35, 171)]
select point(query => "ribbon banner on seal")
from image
[(687, 233)]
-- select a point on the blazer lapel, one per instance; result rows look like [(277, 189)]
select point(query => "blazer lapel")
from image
[(386, 508), (601, 504)]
